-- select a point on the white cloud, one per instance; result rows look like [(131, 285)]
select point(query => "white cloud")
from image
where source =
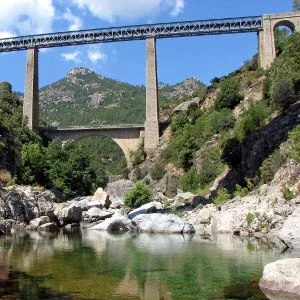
[(129, 9), (5, 34), (72, 56), (96, 56), (178, 8), (26, 16), (75, 23)]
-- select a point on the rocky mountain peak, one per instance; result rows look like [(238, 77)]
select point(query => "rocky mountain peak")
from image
[(79, 71)]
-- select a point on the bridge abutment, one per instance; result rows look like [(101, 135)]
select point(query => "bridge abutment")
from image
[(31, 93), (151, 124), (267, 50)]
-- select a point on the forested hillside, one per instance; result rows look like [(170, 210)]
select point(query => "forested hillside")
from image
[(86, 98), (244, 130)]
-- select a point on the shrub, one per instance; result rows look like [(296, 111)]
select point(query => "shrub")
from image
[(230, 93), (138, 156), (271, 165), (252, 119), (288, 194), (249, 218), (284, 74), (5, 176), (157, 171), (293, 145), (179, 120), (232, 152), (222, 196), (190, 181), (138, 195), (240, 191)]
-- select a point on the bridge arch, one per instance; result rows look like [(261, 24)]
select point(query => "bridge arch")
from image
[(267, 49), (128, 138)]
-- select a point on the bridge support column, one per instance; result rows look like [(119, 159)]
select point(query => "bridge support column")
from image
[(151, 137), (267, 52), (31, 93)]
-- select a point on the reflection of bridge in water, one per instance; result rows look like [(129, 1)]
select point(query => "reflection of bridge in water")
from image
[(264, 26), (128, 137)]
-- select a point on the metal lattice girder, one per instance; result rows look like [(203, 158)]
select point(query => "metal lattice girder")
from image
[(127, 33)]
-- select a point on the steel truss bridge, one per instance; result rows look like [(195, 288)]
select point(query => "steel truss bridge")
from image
[(138, 32)]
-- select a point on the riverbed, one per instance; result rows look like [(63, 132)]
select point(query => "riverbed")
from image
[(98, 265)]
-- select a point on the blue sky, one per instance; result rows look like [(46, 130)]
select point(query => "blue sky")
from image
[(179, 58)]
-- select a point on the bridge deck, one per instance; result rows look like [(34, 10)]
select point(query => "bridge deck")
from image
[(137, 32)]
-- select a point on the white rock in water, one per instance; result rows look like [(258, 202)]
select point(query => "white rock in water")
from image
[(163, 223), (148, 208), (281, 279), (115, 223)]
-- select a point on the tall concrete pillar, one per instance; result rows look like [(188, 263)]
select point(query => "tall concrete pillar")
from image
[(152, 124), (31, 93), (267, 51)]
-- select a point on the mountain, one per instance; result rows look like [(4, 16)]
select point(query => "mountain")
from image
[(83, 97)]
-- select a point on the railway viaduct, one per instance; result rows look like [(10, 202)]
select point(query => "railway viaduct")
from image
[(128, 137)]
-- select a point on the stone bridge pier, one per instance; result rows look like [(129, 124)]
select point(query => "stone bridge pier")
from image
[(266, 37)]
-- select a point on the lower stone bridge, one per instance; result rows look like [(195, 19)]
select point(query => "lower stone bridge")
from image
[(128, 137)]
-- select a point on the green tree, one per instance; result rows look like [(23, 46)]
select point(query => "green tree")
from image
[(230, 93), (138, 195)]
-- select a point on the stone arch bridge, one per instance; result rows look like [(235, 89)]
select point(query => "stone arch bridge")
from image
[(127, 137)]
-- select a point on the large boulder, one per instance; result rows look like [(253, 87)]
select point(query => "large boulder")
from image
[(96, 213), (117, 189), (281, 279), (35, 223), (290, 231), (115, 223), (9, 226), (201, 218), (186, 199), (163, 223), (187, 105), (68, 214), (103, 197), (148, 208), (50, 227)]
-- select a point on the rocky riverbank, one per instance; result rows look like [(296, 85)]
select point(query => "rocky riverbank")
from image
[(264, 213)]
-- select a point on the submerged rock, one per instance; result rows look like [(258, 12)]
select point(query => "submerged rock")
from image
[(281, 279), (163, 223), (148, 208)]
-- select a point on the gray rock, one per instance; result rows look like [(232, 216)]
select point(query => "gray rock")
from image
[(281, 279), (35, 223), (186, 199), (51, 227), (115, 223), (117, 190), (82, 202), (68, 214), (148, 208), (98, 214), (163, 223), (102, 196), (185, 106), (290, 231), (9, 226)]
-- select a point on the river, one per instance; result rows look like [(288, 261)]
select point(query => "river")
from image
[(97, 265)]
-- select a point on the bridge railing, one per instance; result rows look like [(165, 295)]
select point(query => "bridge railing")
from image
[(138, 32)]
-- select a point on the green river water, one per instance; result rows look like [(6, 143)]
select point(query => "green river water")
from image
[(98, 265)]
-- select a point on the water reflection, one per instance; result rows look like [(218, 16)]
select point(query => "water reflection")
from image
[(98, 265)]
